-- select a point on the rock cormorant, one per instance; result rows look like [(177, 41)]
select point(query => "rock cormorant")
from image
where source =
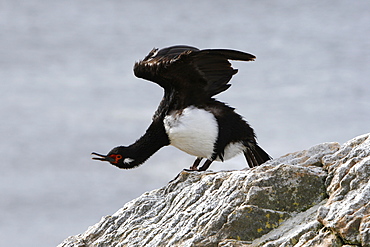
[(189, 117)]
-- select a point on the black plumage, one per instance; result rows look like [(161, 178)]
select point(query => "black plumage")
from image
[(190, 78)]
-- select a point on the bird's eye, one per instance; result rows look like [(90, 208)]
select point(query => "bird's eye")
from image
[(117, 157)]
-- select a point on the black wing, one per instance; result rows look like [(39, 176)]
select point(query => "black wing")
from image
[(189, 70)]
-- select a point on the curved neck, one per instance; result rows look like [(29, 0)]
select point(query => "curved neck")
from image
[(154, 138)]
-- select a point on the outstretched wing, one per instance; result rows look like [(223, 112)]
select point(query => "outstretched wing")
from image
[(189, 70)]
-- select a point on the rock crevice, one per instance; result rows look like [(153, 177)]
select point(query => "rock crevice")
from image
[(315, 197)]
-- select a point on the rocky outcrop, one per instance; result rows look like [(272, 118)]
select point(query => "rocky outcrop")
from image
[(316, 197)]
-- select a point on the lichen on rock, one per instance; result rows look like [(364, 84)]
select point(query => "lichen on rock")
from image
[(315, 197), (347, 211)]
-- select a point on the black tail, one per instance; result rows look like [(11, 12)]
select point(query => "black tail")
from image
[(255, 155)]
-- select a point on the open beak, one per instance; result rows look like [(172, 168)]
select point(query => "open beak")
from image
[(102, 157)]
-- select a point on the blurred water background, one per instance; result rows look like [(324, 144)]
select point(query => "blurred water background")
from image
[(67, 89)]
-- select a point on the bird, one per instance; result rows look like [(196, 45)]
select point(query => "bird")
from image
[(188, 116)]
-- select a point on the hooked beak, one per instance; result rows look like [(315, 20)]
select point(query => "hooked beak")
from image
[(102, 157)]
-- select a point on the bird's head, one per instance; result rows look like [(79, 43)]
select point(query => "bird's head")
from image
[(118, 156)]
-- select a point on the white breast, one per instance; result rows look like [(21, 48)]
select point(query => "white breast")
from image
[(193, 131)]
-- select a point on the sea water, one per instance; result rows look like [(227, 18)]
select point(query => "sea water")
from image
[(67, 89)]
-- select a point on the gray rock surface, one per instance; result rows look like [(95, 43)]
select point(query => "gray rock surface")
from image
[(316, 197)]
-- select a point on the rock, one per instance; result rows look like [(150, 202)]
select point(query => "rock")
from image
[(316, 197), (347, 211)]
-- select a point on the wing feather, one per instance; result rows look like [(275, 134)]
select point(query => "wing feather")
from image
[(189, 70)]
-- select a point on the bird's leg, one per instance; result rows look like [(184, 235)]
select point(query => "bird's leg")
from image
[(205, 165), (194, 167)]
